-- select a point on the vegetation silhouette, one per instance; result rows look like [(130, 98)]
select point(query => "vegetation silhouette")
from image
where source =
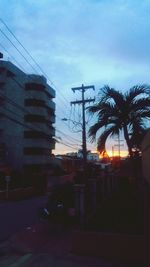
[(117, 111)]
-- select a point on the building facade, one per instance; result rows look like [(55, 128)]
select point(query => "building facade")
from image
[(27, 115)]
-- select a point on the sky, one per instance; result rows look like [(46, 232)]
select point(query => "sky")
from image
[(75, 42)]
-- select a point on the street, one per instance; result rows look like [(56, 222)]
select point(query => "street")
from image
[(39, 247), (15, 216)]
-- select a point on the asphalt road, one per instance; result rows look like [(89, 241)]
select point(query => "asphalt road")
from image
[(15, 216)]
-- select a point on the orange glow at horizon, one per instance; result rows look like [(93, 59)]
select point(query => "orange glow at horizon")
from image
[(60, 149), (123, 153)]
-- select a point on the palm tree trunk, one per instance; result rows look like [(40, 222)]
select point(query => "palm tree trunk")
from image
[(126, 136)]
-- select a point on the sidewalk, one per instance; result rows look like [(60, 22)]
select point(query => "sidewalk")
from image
[(43, 246)]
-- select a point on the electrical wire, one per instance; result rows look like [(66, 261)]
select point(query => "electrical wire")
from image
[(18, 50), (75, 125), (12, 57), (39, 67), (25, 111), (22, 124)]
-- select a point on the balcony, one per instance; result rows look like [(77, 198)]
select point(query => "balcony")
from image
[(35, 151), (2, 101), (51, 119), (51, 129), (32, 102), (32, 86), (37, 160), (50, 91), (34, 118), (50, 105), (1, 85), (2, 151), (35, 135), (2, 75)]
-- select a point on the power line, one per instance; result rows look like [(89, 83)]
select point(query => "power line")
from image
[(31, 128), (18, 50), (12, 57), (24, 125), (69, 146), (83, 101), (25, 111), (66, 135), (28, 55), (26, 52)]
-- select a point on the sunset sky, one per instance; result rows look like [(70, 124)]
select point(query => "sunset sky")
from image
[(75, 42)]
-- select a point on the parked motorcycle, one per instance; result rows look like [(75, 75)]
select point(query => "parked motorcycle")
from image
[(56, 210)]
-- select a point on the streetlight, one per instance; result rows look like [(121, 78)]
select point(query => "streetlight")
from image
[(76, 123)]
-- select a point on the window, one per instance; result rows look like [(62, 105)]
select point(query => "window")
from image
[(35, 151), (1, 133), (35, 134), (34, 118), (50, 111), (1, 115), (10, 73), (2, 101), (34, 102), (2, 70), (2, 85), (2, 151), (38, 87), (34, 86)]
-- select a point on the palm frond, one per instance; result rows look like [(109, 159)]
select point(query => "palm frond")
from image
[(140, 104), (116, 111), (103, 137), (145, 114), (135, 91), (107, 108), (137, 134), (112, 95), (95, 128), (93, 109)]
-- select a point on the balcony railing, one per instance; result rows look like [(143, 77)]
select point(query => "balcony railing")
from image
[(30, 102), (34, 118), (36, 135)]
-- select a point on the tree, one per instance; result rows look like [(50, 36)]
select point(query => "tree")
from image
[(117, 111)]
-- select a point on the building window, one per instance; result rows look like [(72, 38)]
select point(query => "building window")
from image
[(1, 115), (34, 118), (34, 87), (2, 151), (35, 151), (48, 95), (2, 85), (1, 133), (38, 87), (2, 101), (2, 70), (50, 111), (34, 102), (35, 134), (10, 74)]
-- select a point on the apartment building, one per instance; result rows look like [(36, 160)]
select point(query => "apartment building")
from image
[(27, 115)]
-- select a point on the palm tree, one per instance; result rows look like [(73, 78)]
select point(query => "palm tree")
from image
[(117, 111)]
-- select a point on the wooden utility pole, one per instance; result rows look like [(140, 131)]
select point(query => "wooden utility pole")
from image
[(83, 102), (119, 145)]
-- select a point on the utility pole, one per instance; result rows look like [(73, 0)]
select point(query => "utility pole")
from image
[(119, 145), (112, 152), (83, 101)]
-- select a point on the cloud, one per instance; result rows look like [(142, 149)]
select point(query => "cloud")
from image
[(83, 41)]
